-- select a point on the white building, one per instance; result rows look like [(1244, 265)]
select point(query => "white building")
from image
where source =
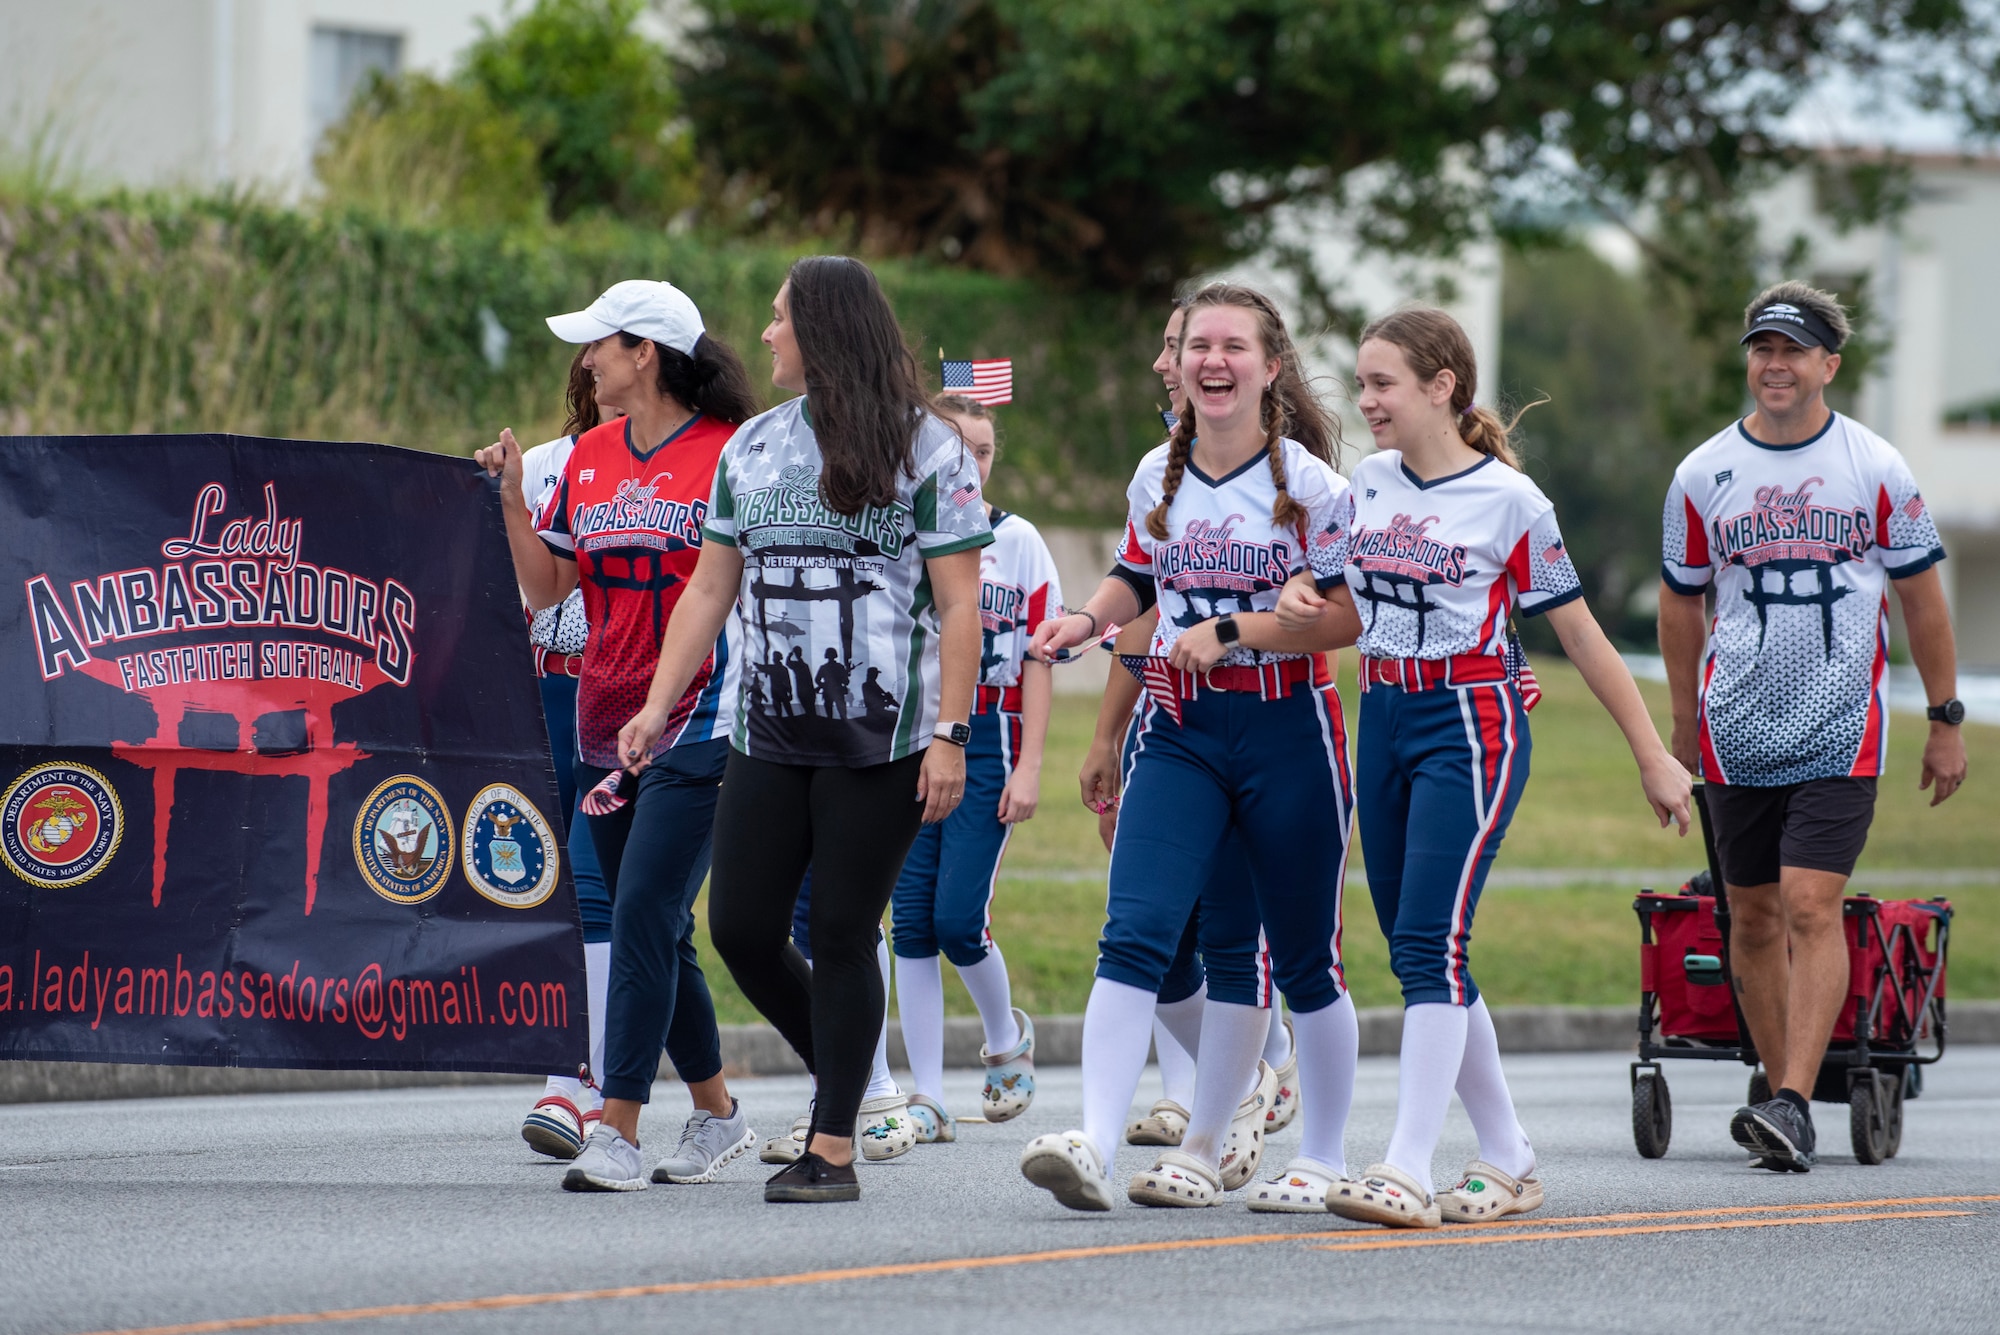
[(201, 92), (1934, 279)]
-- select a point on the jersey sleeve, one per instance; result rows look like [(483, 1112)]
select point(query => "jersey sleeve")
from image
[(1135, 551), (1329, 530), (1044, 585), (1905, 533), (950, 511), (1540, 567), (720, 525), (552, 519), (1684, 562)]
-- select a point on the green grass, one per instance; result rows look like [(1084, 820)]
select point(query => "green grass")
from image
[(1574, 945)]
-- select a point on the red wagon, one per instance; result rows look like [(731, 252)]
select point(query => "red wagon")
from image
[(1891, 1026)]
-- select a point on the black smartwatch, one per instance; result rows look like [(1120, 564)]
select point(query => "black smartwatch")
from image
[(958, 734), (1228, 632), (1951, 711)]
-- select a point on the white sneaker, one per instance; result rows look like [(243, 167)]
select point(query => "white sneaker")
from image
[(1065, 1164), (887, 1129), (1300, 1189), (609, 1162), (1175, 1179), (1243, 1147), (788, 1147), (1165, 1123), (554, 1127), (708, 1144), (1285, 1103)]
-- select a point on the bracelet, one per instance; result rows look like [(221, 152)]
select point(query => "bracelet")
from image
[(1085, 612)]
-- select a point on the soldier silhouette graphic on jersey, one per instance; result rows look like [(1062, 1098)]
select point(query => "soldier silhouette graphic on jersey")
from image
[(1823, 593), (1380, 588)]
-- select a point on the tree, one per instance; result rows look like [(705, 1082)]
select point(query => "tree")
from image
[(418, 150)]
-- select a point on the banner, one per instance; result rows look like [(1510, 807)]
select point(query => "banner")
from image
[(275, 788)]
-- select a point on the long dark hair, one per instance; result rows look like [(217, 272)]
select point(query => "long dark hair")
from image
[(861, 379), (712, 381), (1289, 408), (580, 399)]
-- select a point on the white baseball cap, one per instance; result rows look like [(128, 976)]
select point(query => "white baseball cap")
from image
[(637, 306)]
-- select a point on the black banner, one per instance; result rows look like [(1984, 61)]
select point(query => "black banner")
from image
[(275, 788)]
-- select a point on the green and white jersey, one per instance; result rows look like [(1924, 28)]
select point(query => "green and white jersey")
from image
[(840, 659)]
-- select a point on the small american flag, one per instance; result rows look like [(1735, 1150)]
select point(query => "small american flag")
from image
[(1170, 417), (1162, 680), (965, 495), (988, 382), (1914, 507), (1521, 672), (1554, 553)]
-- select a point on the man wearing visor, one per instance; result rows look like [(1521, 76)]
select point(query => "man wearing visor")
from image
[(1797, 518)]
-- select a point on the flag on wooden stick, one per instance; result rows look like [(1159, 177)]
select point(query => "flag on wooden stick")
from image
[(989, 382)]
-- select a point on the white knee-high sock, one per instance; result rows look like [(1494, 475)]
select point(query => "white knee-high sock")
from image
[(1278, 1039), (1176, 1067), (1117, 1021), (597, 991), (1231, 1039), (920, 1003), (987, 982), (1482, 1088), (1329, 1045), (880, 1082), (1183, 1020), (1433, 1047)]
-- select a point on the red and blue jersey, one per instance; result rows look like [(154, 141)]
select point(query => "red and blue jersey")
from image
[(633, 521), (1799, 543)]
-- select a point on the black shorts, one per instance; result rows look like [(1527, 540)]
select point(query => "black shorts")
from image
[(1820, 825)]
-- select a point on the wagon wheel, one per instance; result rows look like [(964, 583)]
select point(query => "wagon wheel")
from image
[(1760, 1087), (1894, 1118), (1652, 1115), (1867, 1120)]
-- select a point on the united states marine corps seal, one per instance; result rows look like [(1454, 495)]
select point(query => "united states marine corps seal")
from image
[(61, 825), (402, 840), (508, 848)]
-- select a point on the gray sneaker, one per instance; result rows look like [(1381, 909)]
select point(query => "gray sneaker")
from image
[(708, 1143), (609, 1162)]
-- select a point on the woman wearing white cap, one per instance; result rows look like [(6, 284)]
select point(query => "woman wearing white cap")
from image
[(626, 521), (849, 520)]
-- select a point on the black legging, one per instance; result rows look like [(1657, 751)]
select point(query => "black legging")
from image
[(853, 827)]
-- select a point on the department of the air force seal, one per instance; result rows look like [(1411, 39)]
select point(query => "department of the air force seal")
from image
[(508, 849), (402, 840), (61, 824)]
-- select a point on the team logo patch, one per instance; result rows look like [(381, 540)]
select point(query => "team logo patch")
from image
[(508, 849), (402, 840), (1722, 478), (59, 825)]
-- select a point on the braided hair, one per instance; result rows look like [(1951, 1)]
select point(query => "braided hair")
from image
[(1289, 408)]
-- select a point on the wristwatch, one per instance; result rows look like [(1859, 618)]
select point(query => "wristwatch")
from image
[(1951, 711), (958, 734), (1227, 631)]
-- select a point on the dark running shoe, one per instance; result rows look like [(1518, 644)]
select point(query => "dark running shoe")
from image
[(812, 1178), (1778, 1133)]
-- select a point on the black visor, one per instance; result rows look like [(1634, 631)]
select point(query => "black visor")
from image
[(1794, 322)]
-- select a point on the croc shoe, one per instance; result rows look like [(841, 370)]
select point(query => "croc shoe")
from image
[(1165, 1123), (1484, 1192), (1175, 1179), (1010, 1076), (934, 1125), (1384, 1195)]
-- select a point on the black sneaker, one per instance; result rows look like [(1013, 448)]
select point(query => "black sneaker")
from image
[(811, 1178), (1778, 1133)]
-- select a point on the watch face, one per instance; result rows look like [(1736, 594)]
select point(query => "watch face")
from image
[(1954, 711)]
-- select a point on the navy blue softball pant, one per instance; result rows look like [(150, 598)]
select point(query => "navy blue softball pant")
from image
[(1440, 772), (1275, 770), (943, 900)]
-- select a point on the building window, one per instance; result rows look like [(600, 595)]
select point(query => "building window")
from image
[(341, 61)]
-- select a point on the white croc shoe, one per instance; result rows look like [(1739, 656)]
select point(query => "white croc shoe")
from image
[(934, 1125), (1285, 1103), (1384, 1195), (1484, 1192), (1010, 1076), (1065, 1164), (789, 1147), (1243, 1147), (1299, 1189), (1175, 1179), (887, 1129), (1165, 1123)]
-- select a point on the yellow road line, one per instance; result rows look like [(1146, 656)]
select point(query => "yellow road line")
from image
[(1344, 1239), (1401, 1241)]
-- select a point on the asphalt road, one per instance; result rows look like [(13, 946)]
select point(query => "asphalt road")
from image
[(241, 1209)]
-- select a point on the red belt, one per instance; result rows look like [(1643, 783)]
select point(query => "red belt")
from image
[(1271, 681), (549, 664), (1428, 674), (1006, 699)]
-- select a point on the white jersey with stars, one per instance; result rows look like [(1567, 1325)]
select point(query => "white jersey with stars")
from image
[(1799, 543), (1437, 567), (564, 628), (1222, 554)]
